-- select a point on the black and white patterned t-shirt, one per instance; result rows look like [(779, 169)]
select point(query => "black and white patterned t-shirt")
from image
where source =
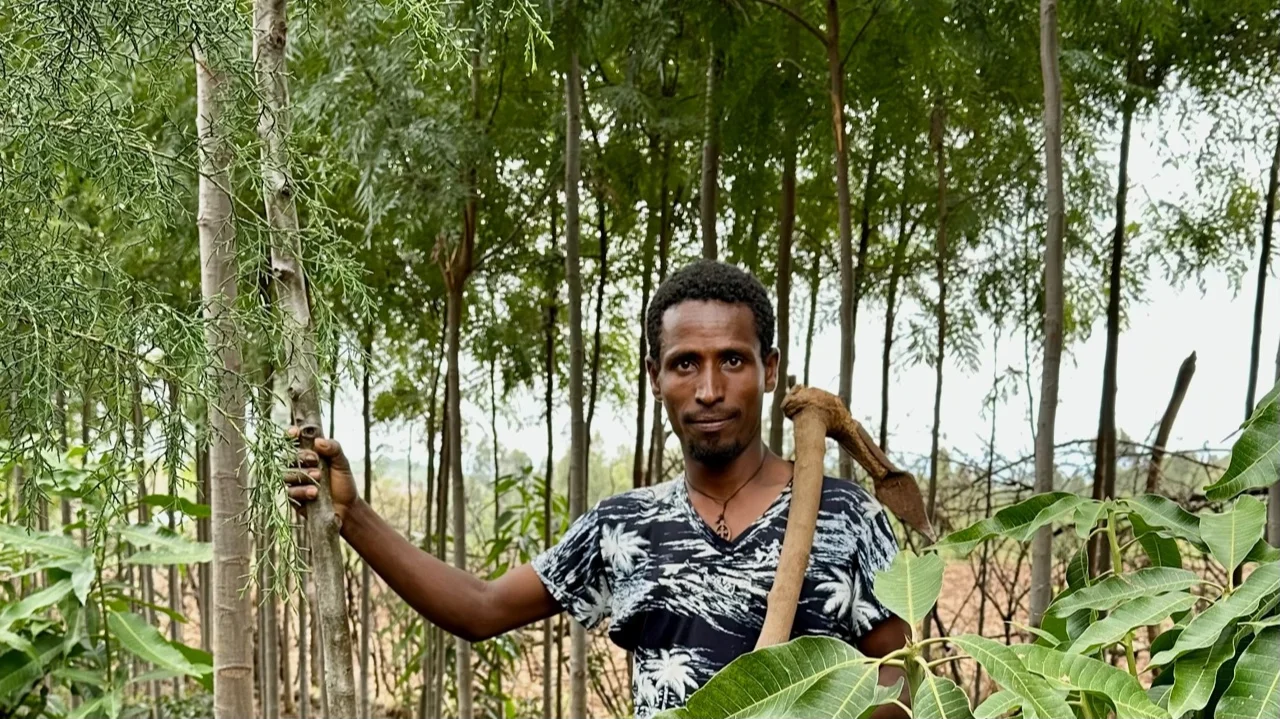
[(687, 602)]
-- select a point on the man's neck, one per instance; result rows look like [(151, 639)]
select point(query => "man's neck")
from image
[(724, 478)]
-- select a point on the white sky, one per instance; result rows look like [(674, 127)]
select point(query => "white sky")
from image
[(1162, 330)]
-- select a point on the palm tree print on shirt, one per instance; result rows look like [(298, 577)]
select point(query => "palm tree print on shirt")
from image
[(687, 602)]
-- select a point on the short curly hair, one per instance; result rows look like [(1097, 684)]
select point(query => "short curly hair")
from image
[(709, 280)]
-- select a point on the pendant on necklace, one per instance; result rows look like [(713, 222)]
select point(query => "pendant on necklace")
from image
[(722, 527)]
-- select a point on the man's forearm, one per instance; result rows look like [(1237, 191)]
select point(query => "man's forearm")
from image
[(447, 596)]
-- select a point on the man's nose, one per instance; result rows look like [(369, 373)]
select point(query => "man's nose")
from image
[(710, 387)]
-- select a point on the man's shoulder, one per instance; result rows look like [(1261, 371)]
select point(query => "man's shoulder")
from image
[(847, 498)]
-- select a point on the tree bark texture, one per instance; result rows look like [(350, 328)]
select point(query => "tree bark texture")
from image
[(642, 380), (1264, 257), (815, 279), (302, 359), (711, 152), (232, 646), (1104, 475), (577, 441), (891, 302), (1055, 227), (549, 362)]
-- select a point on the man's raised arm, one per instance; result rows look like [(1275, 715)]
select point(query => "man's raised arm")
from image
[(459, 602)]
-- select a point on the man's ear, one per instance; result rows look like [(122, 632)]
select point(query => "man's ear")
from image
[(771, 370), (651, 367)]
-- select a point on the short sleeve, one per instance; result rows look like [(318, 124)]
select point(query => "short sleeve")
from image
[(875, 549), (573, 571)]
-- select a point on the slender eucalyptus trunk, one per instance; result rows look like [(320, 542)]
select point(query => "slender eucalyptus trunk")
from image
[(815, 279), (146, 578), (204, 533), (173, 456), (642, 380), (656, 435), (289, 280), (1180, 385), (1055, 226), (497, 496), (573, 280), (232, 647), (549, 709), (836, 76), (1264, 257), (442, 492), (366, 578), (304, 642), (869, 198), (786, 232), (1104, 475), (983, 568), (891, 301), (711, 151), (938, 129)]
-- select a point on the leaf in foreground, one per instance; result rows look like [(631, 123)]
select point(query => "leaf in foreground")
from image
[(997, 705), (1141, 612), (1196, 673), (939, 698), (1018, 521), (1116, 590), (1203, 630), (1254, 692), (145, 642), (909, 587), (1255, 457), (1232, 534), (1086, 674), (1010, 673), (810, 676)]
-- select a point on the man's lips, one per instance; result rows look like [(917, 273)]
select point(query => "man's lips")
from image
[(709, 424)]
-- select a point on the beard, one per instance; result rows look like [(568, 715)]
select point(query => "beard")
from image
[(717, 453)]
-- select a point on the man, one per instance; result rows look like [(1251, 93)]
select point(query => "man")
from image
[(682, 569)]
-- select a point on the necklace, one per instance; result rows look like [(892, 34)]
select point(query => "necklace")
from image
[(721, 526)]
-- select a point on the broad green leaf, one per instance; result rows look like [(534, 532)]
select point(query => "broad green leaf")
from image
[(1162, 551), (1263, 553), (18, 669), (201, 660), (1086, 517), (200, 553), (1255, 457), (1164, 514), (44, 544), (1116, 590), (1086, 674), (179, 504), (145, 642), (82, 579), (80, 676), (157, 537), (1195, 673), (1078, 569), (909, 587), (939, 698), (1018, 521), (1254, 692), (33, 603), (1202, 631), (810, 676), (1272, 621), (15, 641), (1140, 612), (1010, 673), (1231, 534), (1159, 695), (997, 705)]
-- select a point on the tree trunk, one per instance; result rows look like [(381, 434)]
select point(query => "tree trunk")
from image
[(304, 641), (428, 527), (711, 152), (172, 459), (938, 129), (577, 442), (836, 76), (146, 578), (985, 565), (442, 492), (60, 409), (786, 231), (602, 279), (891, 300), (1264, 257), (869, 197), (665, 231), (366, 355), (289, 279), (232, 647), (815, 279), (642, 380), (1180, 386), (204, 533), (549, 360), (285, 648), (1055, 225), (270, 638), (1104, 475)]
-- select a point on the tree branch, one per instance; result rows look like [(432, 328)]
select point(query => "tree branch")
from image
[(822, 37), (874, 9)]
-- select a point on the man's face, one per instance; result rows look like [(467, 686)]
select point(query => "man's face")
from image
[(712, 376)]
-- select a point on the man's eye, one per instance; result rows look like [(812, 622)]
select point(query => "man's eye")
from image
[(734, 362), (684, 365)]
